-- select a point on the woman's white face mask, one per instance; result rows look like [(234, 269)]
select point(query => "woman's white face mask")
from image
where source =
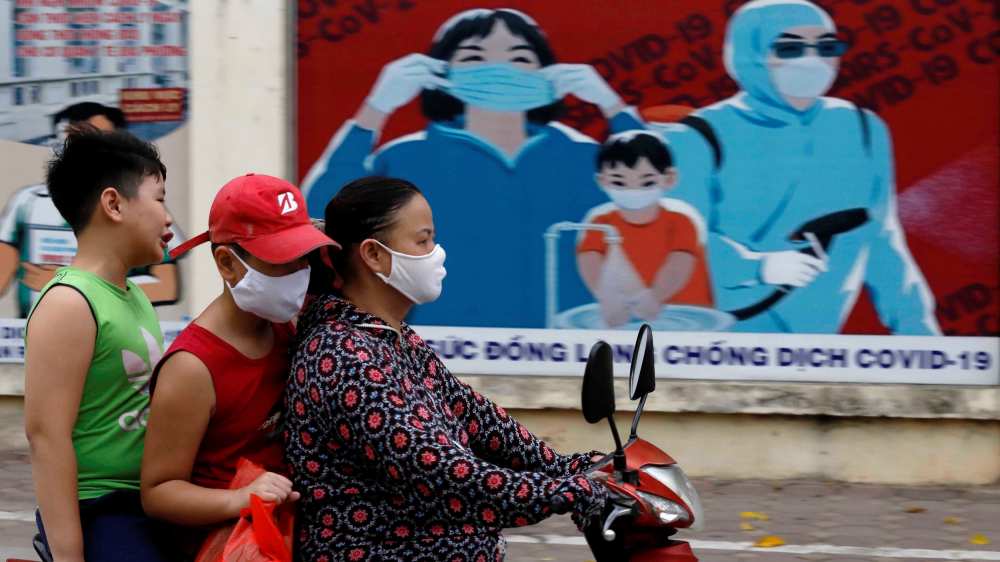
[(418, 278), (277, 299)]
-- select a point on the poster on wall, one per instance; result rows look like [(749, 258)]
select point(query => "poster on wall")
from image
[(781, 188), (110, 64)]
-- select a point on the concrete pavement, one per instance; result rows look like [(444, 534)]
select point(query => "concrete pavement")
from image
[(816, 520)]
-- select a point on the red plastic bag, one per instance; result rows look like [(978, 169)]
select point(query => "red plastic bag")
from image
[(263, 533)]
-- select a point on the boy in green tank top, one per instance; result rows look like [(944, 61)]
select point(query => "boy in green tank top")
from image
[(92, 340)]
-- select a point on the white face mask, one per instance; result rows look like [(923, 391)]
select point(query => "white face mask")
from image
[(417, 277), (804, 77), (277, 299), (634, 199)]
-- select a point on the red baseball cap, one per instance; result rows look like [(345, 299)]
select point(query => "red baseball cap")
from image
[(266, 216)]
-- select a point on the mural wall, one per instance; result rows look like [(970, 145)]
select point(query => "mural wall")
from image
[(770, 167)]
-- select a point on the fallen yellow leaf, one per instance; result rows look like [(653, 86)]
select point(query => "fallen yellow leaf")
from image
[(952, 520), (915, 509), (769, 541), (979, 539), (746, 526), (755, 515)]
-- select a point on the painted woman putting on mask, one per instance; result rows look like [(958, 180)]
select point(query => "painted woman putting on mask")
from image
[(218, 389), (491, 89), (397, 459)]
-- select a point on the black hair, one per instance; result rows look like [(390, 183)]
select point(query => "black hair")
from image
[(92, 160), (361, 210), (628, 151), (80, 112), (440, 106)]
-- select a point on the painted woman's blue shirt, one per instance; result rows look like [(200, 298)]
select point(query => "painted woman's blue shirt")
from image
[(490, 211)]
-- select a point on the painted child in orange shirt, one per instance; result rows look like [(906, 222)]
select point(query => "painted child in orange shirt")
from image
[(661, 258)]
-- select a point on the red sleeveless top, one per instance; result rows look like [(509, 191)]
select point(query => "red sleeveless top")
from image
[(248, 404)]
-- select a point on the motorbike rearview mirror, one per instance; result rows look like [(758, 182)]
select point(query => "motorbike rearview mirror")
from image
[(642, 375), (598, 395), (598, 384)]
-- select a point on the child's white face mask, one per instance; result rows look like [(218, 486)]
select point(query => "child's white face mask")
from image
[(634, 199), (277, 299)]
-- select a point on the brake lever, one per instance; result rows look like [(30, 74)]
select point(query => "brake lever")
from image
[(621, 505), (616, 512)]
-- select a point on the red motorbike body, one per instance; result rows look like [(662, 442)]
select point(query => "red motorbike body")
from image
[(642, 537)]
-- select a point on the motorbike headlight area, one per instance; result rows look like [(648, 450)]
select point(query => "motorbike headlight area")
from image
[(674, 478), (666, 510)]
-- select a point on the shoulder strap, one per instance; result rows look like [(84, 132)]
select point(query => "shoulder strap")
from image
[(706, 131), (866, 131)]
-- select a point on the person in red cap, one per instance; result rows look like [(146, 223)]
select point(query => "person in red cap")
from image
[(218, 389)]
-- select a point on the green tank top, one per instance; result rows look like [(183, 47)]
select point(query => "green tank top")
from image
[(111, 423)]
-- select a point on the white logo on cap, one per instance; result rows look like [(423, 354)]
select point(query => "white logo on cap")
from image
[(287, 202)]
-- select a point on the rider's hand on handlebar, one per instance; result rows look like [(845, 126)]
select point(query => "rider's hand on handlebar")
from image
[(613, 500), (619, 498)]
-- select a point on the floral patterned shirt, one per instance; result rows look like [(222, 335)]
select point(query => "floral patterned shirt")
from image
[(397, 459)]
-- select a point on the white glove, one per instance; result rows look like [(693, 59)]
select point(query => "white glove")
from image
[(401, 80), (584, 82), (790, 268)]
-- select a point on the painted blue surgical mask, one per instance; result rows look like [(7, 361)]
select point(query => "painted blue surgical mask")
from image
[(501, 87)]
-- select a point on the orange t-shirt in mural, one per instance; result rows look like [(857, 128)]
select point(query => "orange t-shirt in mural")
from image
[(647, 246)]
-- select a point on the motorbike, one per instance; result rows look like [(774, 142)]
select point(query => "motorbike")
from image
[(650, 496)]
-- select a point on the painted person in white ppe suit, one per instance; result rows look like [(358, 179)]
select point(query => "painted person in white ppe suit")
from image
[(798, 189)]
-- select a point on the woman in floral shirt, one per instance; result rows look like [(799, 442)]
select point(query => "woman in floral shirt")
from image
[(397, 459)]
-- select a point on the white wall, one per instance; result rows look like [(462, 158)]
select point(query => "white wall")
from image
[(241, 110), (6, 45)]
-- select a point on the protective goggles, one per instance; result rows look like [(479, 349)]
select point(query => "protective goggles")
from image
[(827, 48)]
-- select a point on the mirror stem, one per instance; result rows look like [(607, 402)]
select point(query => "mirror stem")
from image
[(619, 454), (635, 419)]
